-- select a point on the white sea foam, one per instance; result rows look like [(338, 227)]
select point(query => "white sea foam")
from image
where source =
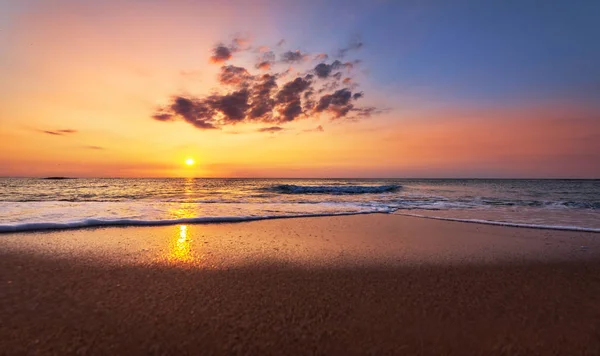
[(132, 222), (504, 223)]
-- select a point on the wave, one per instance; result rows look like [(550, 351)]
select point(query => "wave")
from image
[(333, 189), (508, 224), (85, 223)]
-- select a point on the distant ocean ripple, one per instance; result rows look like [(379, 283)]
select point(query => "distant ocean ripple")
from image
[(32, 204)]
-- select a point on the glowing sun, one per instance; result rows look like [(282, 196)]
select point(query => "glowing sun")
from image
[(190, 161)]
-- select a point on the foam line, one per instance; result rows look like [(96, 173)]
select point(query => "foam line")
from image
[(509, 224), (132, 222)]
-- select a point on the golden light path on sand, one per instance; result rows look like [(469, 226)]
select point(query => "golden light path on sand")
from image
[(180, 250)]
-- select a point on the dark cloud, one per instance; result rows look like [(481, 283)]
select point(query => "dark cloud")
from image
[(322, 70), (272, 129), (338, 103), (293, 56), (262, 103), (163, 117), (269, 97), (59, 132), (355, 44), (90, 147), (233, 106), (288, 98), (196, 112), (221, 54), (232, 75)]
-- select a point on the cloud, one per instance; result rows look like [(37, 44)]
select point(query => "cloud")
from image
[(272, 129), (293, 56), (232, 75), (59, 132), (323, 70), (221, 54), (90, 147), (233, 106), (266, 60), (262, 103), (288, 98), (355, 44), (269, 96), (338, 103), (163, 117), (364, 113), (321, 57), (263, 65)]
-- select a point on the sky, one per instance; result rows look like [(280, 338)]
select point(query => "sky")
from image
[(374, 88)]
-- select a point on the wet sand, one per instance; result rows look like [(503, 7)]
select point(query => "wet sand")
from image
[(370, 284)]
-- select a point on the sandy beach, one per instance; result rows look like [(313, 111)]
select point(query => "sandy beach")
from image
[(363, 284)]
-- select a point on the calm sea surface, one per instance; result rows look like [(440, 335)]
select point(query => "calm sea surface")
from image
[(29, 203)]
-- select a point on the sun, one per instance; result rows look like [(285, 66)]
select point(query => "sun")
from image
[(190, 161)]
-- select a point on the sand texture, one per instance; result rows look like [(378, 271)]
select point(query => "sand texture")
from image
[(372, 284)]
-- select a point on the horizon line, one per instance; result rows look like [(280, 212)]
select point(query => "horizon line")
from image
[(332, 178)]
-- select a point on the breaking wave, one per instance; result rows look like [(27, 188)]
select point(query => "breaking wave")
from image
[(334, 189)]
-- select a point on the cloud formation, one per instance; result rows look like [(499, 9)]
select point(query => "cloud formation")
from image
[(270, 96), (220, 54), (293, 56), (59, 132), (272, 129)]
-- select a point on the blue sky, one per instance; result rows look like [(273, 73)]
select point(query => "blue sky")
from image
[(480, 52)]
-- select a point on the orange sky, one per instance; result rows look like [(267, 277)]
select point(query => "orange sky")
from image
[(103, 75)]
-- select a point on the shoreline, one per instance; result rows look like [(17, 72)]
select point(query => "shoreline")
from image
[(503, 223), (94, 223)]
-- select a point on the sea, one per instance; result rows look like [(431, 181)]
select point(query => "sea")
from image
[(39, 204)]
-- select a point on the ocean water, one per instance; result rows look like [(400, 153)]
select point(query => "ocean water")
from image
[(31, 203)]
